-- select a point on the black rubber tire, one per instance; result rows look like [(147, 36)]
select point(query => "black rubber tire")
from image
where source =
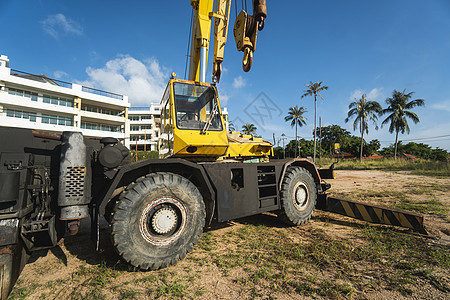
[(131, 229), (298, 182)]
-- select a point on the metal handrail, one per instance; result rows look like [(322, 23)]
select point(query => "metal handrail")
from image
[(56, 81), (101, 93), (69, 85)]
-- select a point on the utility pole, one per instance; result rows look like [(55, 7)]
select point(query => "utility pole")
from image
[(136, 148), (274, 141), (283, 137), (320, 138)]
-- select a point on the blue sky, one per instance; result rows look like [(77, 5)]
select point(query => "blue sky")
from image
[(353, 46)]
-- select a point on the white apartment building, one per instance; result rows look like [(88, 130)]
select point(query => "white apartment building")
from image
[(144, 127), (41, 103)]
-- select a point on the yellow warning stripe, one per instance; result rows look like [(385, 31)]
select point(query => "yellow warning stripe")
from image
[(348, 209), (403, 220), (379, 213), (363, 211)]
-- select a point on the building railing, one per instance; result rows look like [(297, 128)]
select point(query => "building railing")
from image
[(41, 78), (45, 79), (102, 93), (145, 108)]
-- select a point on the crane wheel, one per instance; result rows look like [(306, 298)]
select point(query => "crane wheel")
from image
[(298, 196), (157, 220), (248, 59)]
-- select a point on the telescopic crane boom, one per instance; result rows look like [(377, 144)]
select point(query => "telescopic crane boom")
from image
[(245, 32)]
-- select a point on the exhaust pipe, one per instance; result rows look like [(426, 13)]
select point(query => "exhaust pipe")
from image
[(75, 177)]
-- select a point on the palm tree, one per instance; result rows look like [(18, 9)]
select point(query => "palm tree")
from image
[(231, 126), (397, 108), (364, 111), (295, 115), (249, 128), (315, 89)]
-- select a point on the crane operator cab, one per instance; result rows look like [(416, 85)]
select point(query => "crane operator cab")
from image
[(192, 124), (193, 127)]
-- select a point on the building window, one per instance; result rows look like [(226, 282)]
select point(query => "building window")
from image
[(58, 101), (146, 117), (57, 120), (100, 110), (134, 128), (147, 137), (133, 118), (146, 127), (102, 127), (21, 93), (21, 114)]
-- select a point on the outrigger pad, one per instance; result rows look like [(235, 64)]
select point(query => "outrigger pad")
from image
[(372, 213)]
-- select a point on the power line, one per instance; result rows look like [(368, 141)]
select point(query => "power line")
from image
[(419, 139), (428, 140), (189, 45)]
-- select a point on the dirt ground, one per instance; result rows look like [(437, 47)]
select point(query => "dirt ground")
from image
[(261, 258), (380, 187)]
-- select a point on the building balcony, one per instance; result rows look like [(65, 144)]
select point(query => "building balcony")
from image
[(44, 83), (142, 122), (101, 133), (37, 125), (142, 142), (22, 102), (143, 132), (93, 116)]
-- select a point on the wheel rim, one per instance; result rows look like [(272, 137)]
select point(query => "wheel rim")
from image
[(162, 221), (300, 196)]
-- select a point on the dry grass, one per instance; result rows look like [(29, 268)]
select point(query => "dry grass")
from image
[(428, 168), (261, 258)]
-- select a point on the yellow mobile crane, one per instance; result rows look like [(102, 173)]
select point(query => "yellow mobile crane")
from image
[(193, 126), (157, 208)]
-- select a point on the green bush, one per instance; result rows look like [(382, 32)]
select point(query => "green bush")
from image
[(142, 155)]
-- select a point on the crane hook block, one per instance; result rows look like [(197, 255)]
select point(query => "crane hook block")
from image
[(248, 59), (245, 31)]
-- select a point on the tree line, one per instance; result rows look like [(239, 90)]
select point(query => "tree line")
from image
[(362, 112), (352, 144)]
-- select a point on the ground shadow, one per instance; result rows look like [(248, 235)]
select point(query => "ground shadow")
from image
[(83, 247), (57, 252), (264, 219), (336, 219)]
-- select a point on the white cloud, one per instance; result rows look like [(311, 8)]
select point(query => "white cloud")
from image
[(444, 105), (373, 95), (58, 24), (356, 94), (142, 81), (59, 74), (223, 98), (239, 82), (93, 55)]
